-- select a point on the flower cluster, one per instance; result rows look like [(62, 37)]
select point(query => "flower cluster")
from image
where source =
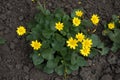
[(112, 31), (86, 46), (76, 21), (56, 42), (86, 43), (21, 30)]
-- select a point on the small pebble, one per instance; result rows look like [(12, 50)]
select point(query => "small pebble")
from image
[(106, 77), (112, 59), (21, 18), (18, 66), (75, 72), (12, 45), (1, 27), (0, 59), (15, 40), (49, 4), (3, 17), (7, 30), (27, 77), (26, 69), (57, 78), (117, 70), (10, 67)]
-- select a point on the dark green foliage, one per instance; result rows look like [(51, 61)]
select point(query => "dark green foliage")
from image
[(2, 41), (114, 34), (55, 55)]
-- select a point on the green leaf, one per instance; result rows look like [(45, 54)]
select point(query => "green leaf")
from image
[(104, 51), (41, 8), (65, 18), (60, 70), (63, 51), (74, 58), (60, 38), (48, 54), (47, 33), (115, 18), (87, 23), (73, 14), (35, 35), (39, 18), (47, 12), (31, 24), (73, 67), (47, 23), (48, 70), (93, 53), (58, 42), (2, 41), (67, 57), (68, 70), (101, 45), (29, 37), (115, 47), (37, 60), (81, 61), (40, 66), (59, 14), (52, 63), (66, 28), (52, 25), (116, 36), (95, 39), (45, 44)]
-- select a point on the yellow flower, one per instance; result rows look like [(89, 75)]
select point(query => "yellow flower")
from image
[(79, 2), (87, 43), (85, 51), (111, 25), (21, 30), (36, 45), (76, 21), (33, 0), (59, 26), (80, 37), (95, 19), (79, 13), (118, 16), (72, 43)]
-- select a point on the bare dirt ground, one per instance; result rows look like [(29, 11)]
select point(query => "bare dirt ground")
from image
[(15, 63)]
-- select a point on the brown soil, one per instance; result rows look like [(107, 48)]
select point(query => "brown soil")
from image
[(15, 63)]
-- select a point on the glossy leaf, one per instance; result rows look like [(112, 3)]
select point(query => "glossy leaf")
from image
[(37, 60), (60, 70), (2, 41), (48, 54)]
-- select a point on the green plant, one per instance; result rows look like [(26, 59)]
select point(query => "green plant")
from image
[(2, 41), (112, 30), (61, 42)]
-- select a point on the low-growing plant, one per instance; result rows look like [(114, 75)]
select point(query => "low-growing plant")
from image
[(61, 42), (112, 30), (2, 40)]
